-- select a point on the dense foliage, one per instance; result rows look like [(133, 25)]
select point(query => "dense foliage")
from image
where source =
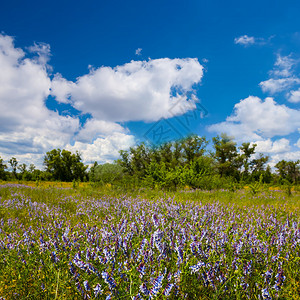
[(172, 165), (187, 163)]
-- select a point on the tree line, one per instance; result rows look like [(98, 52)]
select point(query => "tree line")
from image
[(172, 165)]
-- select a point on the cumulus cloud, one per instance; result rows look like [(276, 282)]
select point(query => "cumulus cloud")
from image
[(255, 119), (289, 156), (94, 129), (245, 40), (139, 90), (24, 118), (27, 127), (294, 96), (103, 149), (278, 85), (270, 147)]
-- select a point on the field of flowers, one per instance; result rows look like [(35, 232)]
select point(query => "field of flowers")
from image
[(65, 243)]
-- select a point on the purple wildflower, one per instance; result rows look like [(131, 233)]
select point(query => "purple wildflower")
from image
[(157, 285), (97, 290), (196, 268), (86, 285)]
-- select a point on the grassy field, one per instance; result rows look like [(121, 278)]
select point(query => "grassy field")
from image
[(60, 241)]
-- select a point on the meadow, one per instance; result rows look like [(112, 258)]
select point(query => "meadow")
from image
[(60, 241)]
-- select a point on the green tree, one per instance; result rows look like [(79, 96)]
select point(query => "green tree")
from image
[(3, 167), (258, 166), (64, 166), (226, 156), (246, 152), (193, 147), (289, 170), (14, 163), (92, 172), (108, 173)]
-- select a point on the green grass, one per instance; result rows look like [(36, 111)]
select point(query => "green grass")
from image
[(28, 270)]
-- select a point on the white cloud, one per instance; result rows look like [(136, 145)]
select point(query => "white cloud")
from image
[(42, 50), (139, 90), (283, 66), (27, 128), (254, 119), (298, 144), (103, 149), (294, 96), (138, 51), (288, 156), (24, 118), (278, 85), (94, 129), (282, 78), (270, 147), (245, 40)]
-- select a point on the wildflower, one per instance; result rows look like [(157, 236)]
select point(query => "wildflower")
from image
[(265, 294), (54, 258), (248, 268), (141, 268), (157, 285), (155, 220), (168, 289), (177, 275), (268, 275), (143, 289), (72, 268), (109, 280), (179, 252), (280, 278), (196, 268), (97, 290)]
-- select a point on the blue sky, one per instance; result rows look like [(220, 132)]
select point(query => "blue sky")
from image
[(100, 76)]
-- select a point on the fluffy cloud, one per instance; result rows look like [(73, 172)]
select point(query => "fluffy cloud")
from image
[(278, 85), (245, 40), (27, 127), (274, 159), (294, 96), (270, 147), (283, 78), (139, 90), (94, 129), (103, 149), (254, 119), (25, 121), (283, 66)]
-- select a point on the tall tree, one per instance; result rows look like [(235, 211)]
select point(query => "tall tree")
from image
[(3, 167), (193, 147), (246, 152), (289, 170), (225, 155), (14, 163), (64, 166), (258, 166)]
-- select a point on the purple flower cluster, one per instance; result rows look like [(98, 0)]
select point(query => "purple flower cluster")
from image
[(120, 247)]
